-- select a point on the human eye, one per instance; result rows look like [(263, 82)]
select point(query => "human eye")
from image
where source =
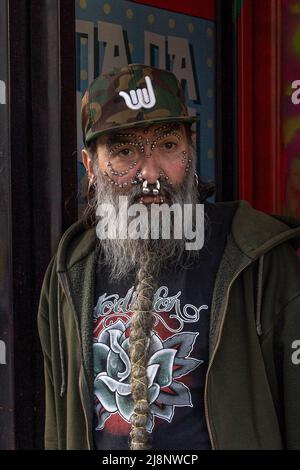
[(169, 146), (121, 151), (125, 152)]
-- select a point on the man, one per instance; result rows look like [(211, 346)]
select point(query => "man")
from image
[(148, 344)]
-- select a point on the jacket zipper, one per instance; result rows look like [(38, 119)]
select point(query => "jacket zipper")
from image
[(85, 415), (213, 356), (65, 286)]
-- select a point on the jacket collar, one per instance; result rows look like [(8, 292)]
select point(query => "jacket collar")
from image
[(256, 232)]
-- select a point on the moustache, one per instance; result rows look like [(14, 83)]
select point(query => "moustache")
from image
[(135, 194)]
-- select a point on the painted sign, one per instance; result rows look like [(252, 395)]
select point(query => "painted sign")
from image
[(113, 33), (290, 108)]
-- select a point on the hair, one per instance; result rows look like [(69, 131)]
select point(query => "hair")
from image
[(142, 320)]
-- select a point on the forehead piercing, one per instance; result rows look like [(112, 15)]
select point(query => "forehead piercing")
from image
[(126, 135), (170, 128), (160, 129)]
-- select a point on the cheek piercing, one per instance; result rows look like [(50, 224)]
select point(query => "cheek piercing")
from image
[(188, 165), (163, 175), (183, 159), (119, 173)]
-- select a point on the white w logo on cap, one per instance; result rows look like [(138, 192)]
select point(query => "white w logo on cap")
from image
[(140, 98)]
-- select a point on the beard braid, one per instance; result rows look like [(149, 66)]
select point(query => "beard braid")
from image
[(141, 324), (122, 256)]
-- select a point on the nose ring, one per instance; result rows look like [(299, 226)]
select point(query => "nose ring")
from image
[(147, 190)]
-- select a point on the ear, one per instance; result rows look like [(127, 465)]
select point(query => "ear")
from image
[(86, 160), (194, 137)]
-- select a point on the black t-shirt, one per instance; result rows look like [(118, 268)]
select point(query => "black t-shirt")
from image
[(178, 355)]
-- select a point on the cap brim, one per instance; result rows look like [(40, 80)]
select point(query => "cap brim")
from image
[(148, 122)]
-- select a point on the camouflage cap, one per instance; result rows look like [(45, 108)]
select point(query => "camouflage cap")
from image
[(130, 96)]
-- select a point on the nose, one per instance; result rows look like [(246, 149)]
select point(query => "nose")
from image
[(150, 170)]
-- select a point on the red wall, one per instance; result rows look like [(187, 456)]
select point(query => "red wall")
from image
[(202, 9)]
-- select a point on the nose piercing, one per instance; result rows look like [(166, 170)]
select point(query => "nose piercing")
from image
[(146, 190), (155, 190)]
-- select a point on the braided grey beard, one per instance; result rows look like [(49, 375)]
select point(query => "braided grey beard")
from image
[(122, 255)]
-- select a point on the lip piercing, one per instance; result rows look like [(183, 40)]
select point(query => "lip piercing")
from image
[(146, 190), (141, 200)]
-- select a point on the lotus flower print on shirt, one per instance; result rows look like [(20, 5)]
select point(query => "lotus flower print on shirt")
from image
[(168, 361)]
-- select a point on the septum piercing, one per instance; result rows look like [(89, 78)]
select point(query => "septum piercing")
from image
[(155, 191)]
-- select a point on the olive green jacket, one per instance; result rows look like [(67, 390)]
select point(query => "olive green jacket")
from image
[(252, 385)]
